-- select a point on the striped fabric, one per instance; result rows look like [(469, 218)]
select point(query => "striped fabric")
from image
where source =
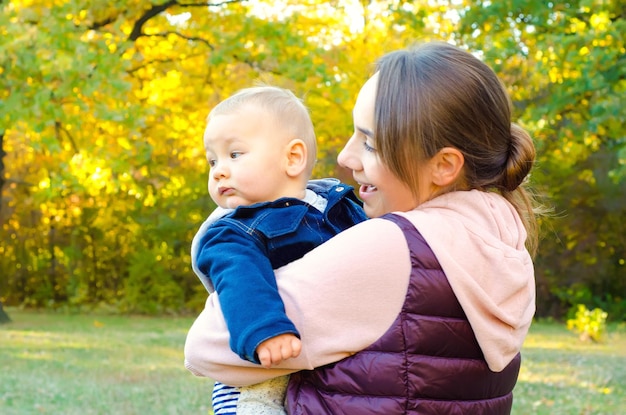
[(225, 399)]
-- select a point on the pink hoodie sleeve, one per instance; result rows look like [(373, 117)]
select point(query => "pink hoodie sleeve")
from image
[(342, 296)]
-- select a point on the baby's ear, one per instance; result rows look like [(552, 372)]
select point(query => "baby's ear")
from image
[(296, 157), (447, 166)]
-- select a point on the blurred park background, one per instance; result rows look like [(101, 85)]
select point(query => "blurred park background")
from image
[(103, 105)]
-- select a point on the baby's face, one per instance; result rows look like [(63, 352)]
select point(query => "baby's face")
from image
[(246, 154)]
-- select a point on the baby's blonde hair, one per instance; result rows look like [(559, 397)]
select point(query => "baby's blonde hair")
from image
[(287, 109)]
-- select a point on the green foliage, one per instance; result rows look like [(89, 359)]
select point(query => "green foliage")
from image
[(578, 293), (565, 64), (149, 288), (588, 324), (102, 107)]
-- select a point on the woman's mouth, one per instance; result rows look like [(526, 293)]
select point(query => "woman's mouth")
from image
[(367, 188)]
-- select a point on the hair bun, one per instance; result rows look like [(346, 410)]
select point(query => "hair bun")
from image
[(520, 160)]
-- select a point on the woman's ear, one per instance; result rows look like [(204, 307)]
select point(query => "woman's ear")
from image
[(296, 157), (447, 166)]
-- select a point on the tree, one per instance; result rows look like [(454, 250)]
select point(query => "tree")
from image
[(103, 104), (567, 68), (4, 317), (104, 107)]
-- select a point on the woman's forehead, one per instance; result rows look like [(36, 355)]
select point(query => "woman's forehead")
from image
[(363, 112)]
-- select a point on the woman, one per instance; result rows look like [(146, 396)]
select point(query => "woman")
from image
[(425, 310)]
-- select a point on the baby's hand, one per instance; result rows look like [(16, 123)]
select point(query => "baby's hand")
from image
[(273, 351)]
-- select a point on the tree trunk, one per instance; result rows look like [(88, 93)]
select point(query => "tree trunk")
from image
[(4, 317), (2, 154)]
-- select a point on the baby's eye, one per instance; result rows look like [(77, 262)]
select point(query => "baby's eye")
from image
[(212, 162), (235, 154)]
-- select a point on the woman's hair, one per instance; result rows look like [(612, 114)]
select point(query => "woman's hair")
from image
[(289, 113), (437, 95)]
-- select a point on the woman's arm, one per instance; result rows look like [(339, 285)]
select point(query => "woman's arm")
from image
[(342, 296)]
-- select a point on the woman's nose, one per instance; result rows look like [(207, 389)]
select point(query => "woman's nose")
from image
[(348, 157)]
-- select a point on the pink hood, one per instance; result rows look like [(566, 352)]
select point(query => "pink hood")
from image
[(478, 238)]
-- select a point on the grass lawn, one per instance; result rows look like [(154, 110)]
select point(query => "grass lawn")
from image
[(78, 364), (562, 375), (75, 364)]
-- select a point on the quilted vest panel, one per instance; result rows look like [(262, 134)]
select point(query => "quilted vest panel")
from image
[(428, 362)]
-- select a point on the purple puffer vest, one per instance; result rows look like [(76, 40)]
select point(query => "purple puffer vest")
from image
[(428, 362)]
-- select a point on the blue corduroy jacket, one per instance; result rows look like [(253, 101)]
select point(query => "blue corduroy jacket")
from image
[(236, 255)]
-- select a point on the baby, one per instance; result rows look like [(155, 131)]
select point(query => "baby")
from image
[(261, 148)]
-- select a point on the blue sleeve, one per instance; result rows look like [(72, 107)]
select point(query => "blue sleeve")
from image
[(244, 279)]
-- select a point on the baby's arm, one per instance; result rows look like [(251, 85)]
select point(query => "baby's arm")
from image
[(244, 279), (273, 351), (217, 214)]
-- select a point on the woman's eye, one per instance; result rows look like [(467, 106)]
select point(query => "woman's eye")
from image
[(368, 147)]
